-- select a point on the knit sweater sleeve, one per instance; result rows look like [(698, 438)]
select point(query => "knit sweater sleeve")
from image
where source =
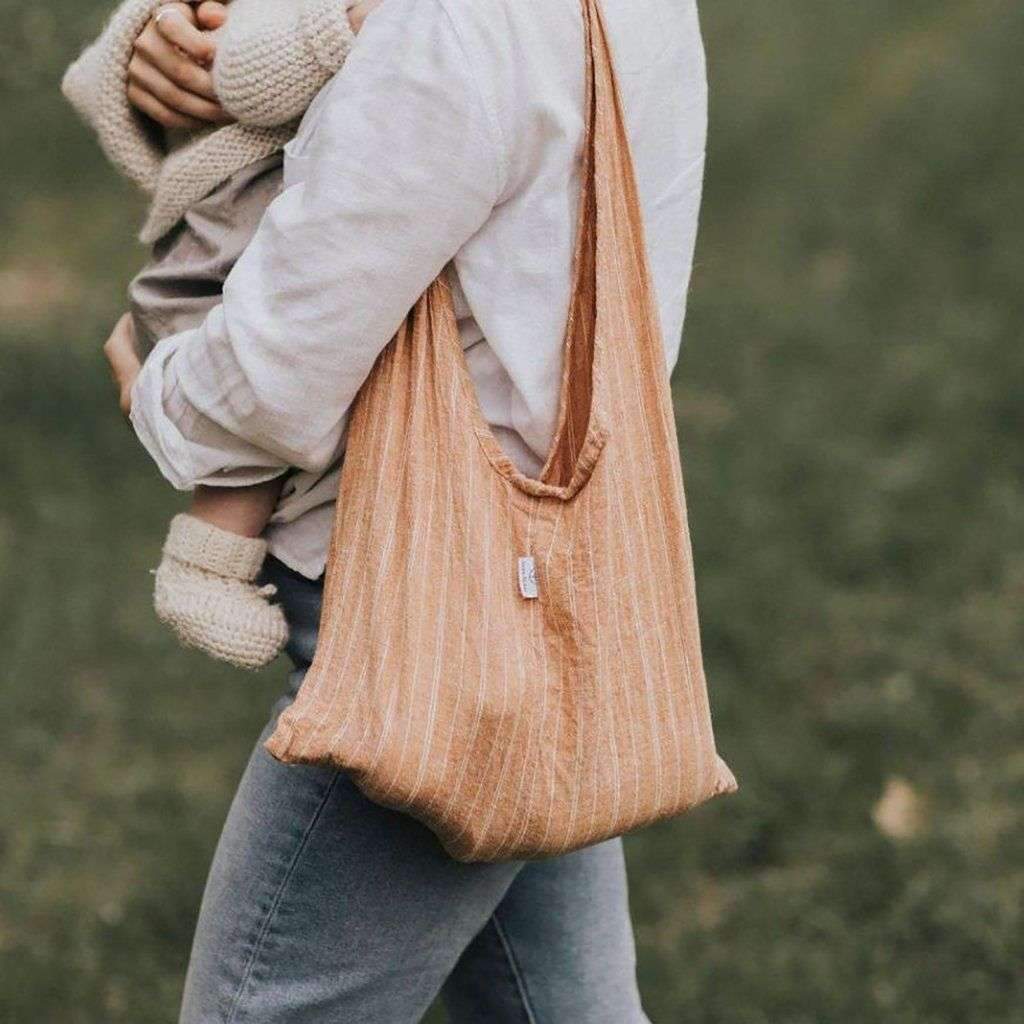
[(96, 86), (274, 56)]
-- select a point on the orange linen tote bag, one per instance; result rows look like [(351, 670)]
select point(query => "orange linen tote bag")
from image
[(516, 661)]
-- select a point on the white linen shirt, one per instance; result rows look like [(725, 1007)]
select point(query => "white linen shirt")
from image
[(452, 136)]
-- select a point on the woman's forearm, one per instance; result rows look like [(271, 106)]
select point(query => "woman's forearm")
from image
[(403, 167)]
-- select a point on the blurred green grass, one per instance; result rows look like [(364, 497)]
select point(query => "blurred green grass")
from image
[(849, 400)]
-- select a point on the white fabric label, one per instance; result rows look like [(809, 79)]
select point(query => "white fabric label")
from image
[(527, 577)]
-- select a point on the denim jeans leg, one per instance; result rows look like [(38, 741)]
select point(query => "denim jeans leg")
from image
[(559, 947), (322, 906)]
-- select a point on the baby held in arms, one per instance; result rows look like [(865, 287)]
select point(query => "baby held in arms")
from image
[(209, 187)]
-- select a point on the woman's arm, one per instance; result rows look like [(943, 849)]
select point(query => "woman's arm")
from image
[(178, 287), (402, 165)]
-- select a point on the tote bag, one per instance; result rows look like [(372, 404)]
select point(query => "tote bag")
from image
[(515, 661)]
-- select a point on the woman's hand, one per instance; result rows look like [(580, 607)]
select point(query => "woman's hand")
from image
[(359, 13), (124, 360), (169, 77)]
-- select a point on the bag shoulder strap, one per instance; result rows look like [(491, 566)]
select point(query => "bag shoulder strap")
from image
[(609, 222)]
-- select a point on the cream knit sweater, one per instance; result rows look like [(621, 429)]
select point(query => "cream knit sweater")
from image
[(273, 56)]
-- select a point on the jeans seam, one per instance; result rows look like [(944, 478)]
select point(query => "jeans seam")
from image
[(517, 973), (272, 910)]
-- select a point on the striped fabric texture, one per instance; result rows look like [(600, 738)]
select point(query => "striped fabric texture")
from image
[(516, 661)]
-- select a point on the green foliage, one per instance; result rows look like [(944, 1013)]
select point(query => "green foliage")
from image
[(849, 410)]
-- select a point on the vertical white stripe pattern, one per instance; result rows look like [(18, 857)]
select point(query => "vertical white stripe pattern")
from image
[(512, 726)]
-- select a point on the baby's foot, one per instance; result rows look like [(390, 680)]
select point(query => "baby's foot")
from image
[(205, 591)]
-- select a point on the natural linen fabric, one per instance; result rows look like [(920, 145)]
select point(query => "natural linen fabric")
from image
[(473, 158), (517, 726)]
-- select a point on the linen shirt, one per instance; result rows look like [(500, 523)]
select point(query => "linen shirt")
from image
[(450, 141)]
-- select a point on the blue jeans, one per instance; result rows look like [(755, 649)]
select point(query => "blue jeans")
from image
[(322, 906)]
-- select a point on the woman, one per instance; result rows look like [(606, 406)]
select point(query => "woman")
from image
[(452, 135)]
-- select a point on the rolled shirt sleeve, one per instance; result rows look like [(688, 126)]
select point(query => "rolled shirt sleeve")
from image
[(396, 165)]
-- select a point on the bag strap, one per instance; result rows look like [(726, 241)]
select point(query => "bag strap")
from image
[(609, 264), (609, 255), (576, 392)]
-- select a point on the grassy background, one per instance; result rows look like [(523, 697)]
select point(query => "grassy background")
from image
[(850, 406)]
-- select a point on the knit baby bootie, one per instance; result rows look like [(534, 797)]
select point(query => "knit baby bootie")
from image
[(205, 591)]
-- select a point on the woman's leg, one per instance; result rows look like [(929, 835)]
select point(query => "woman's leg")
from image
[(321, 906), (558, 948), (324, 907)]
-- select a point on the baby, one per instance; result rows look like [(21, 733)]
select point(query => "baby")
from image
[(209, 189)]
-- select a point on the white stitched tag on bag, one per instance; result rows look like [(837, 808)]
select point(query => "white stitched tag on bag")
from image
[(527, 577)]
